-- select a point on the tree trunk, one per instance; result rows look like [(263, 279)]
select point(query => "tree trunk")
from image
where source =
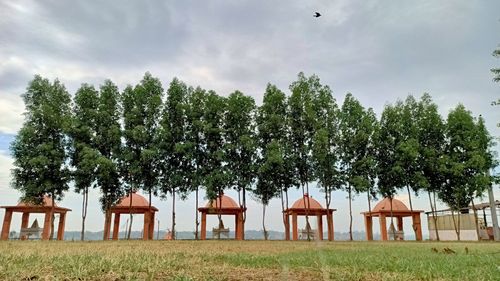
[(434, 218), (84, 212), (306, 205), (263, 221), (52, 209), (219, 215), (369, 201), (130, 215), (173, 213), (455, 224), (476, 220), (350, 211), (411, 209), (392, 221), (244, 205), (197, 218)]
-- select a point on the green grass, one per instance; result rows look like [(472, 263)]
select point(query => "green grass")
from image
[(247, 260)]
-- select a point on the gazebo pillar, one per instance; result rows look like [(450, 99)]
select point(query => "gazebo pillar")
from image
[(116, 226), (24, 223), (287, 226), (383, 227), (369, 227), (320, 227), (6, 224), (417, 224), (295, 232), (47, 224), (145, 229), (400, 223), (61, 225), (331, 231), (152, 226), (203, 226)]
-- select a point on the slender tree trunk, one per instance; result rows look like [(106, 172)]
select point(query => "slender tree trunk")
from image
[(151, 222), (263, 220), (350, 211), (459, 215), (173, 213), (219, 215), (283, 208), (197, 218), (130, 215), (411, 209), (392, 221), (369, 201), (84, 212), (434, 218), (306, 205), (457, 231), (244, 206), (476, 220), (52, 209)]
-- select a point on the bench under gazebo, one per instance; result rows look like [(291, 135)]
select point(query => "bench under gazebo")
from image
[(223, 205), (399, 211), (139, 206), (26, 209), (312, 208)]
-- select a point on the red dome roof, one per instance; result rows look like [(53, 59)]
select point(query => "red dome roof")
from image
[(137, 201), (301, 203), (385, 205), (47, 202), (227, 203)]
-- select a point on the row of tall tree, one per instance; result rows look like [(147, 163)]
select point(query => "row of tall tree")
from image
[(178, 141)]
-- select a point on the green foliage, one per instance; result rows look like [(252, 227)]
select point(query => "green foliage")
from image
[(496, 71), (142, 108), (40, 147)]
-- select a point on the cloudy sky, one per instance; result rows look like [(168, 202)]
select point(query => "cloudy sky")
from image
[(378, 50)]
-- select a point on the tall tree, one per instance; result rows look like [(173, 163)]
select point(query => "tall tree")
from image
[(196, 143), (40, 147), (326, 144), (108, 144), (357, 159), (215, 170), (430, 156), (83, 152), (468, 159), (273, 133), (142, 109), (176, 169), (239, 127)]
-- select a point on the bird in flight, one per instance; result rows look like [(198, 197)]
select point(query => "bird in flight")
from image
[(317, 15)]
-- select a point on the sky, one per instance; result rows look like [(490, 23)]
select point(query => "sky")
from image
[(380, 51)]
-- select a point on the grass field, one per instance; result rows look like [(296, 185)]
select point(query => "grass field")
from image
[(247, 260)]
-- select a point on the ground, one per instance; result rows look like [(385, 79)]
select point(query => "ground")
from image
[(248, 260)]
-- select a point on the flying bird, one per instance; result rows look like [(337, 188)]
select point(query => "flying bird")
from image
[(317, 15)]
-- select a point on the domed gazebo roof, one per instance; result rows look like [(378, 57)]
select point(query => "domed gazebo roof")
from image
[(301, 203), (138, 202), (47, 202), (385, 205), (32, 208), (227, 203)]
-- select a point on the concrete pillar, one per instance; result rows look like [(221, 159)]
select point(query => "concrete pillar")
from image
[(369, 227), (116, 226), (295, 231), (152, 226), (145, 229), (6, 225), (331, 230), (47, 223), (383, 228), (61, 226), (320, 227), (287, 226), (400, 223), (24, 223), (203, 233), (418, 226)]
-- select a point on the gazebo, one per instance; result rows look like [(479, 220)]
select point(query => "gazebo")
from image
[(399, 211), (26, 209), (139, 206), (299, 208), (223, 205)]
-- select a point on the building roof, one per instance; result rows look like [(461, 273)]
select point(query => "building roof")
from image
[(227, 203), (301, 203), (138, 202), (32, 208), (385, 205), (47, 202)]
